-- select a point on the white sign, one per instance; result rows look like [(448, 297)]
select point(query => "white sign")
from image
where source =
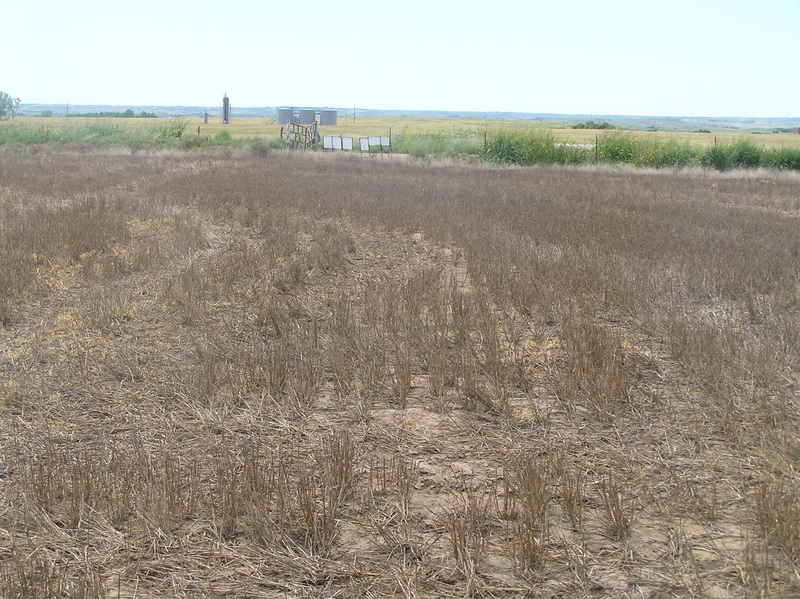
[(375, 141), (337, 142)]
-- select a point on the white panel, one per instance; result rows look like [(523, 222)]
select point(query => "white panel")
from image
[(374, 141), (335, 142), (385, 142), (364, 144)]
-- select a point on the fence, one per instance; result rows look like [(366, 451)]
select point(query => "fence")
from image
[(301, 137)]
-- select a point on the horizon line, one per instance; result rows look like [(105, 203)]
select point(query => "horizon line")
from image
[(591, 115)]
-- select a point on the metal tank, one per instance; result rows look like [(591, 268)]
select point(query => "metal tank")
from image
[(285, 115), (328, 117), (226, 110), (307, 116)]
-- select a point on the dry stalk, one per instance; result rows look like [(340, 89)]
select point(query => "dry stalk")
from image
[(777, 512), (619, 510), (469, 527), (401, 375), (396, 475), (42, 575), (530, 533), (573, 496)]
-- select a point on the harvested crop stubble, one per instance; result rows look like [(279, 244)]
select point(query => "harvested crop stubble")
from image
[(339, 377)]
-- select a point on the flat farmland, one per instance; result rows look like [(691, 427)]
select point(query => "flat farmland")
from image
[(266, 129), (225, 374)]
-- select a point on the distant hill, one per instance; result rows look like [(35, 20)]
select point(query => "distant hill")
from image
[(689, 123)]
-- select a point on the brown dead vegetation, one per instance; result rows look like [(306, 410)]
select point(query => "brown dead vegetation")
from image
[(235, 376)]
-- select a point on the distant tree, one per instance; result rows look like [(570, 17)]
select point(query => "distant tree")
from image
[(47, 113), (8, 105), (590, 124)]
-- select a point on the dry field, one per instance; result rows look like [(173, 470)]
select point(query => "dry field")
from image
[(265, 129), (226, 375)]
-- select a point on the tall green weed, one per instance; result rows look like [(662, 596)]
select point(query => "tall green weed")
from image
[(513, 147), (782, 158), (618, 147)]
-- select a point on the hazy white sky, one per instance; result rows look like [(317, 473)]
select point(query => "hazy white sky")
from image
[(636, 57)]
